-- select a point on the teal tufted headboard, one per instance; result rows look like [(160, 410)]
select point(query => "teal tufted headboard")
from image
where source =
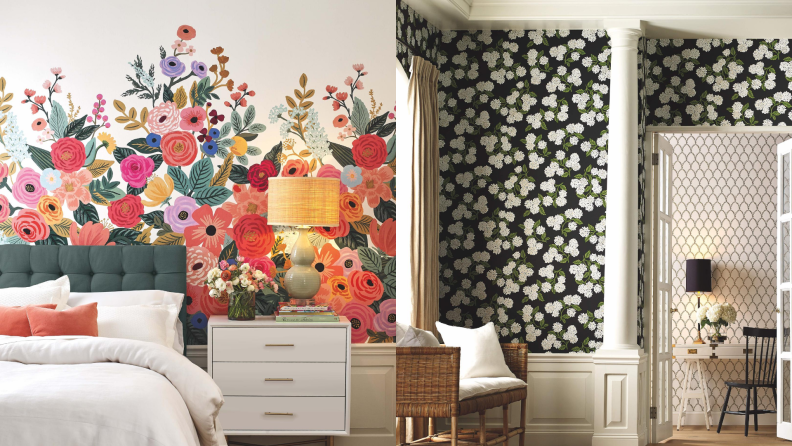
[(98, 268)]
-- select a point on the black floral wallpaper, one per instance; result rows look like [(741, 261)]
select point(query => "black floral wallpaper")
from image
[(414, 33), (718, 82)]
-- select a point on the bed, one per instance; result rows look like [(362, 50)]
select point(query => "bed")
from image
[(77, 390)]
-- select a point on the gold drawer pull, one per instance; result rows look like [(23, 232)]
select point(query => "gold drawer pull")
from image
[(750, 350), (692, 351), (279, 413), (278, 379), (278, 345)]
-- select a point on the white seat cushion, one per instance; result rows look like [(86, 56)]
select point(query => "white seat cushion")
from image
[(474, 387)]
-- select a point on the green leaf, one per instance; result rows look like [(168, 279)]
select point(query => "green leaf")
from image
[(342, 154), (167, 94), (141, 146), (229, 252), (257, 128), (180, 181), (120, 153), (202, 91), (248, 136), (75, 126), (359, 116), (250, 115), (236, 122), (123, 236), (102, 189), (225, 130), (58, 120), (200, 174), (134, 190), (87, 132), (386, 130), (239, 174), (225, 143), (213, 196), (388, 277), (86, 212), (391, 146), (274, 156), (155, 219), (385, 210), (376, 124), (53, 239), (370, 259), (253, 151), (354, 240), (41, 157), (90, 152), (157, 158)]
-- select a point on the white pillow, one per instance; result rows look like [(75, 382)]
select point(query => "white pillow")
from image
[(138, 322), (481, 355), (408, 336), (50, 292), (171, 301)]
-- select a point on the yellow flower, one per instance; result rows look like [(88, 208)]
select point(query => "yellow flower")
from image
[(50, 208), (107, 141), (158, 191), (240, 146)]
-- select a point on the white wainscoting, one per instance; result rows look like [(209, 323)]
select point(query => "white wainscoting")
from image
[(373, 410), (560, 409)]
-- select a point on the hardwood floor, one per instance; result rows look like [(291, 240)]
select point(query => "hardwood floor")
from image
[(699, 436)]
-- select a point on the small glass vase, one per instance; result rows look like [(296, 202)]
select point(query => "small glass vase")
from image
[(716, 337), (242, 305)]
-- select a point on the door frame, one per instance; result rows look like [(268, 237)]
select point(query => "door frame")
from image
[(649, 224)]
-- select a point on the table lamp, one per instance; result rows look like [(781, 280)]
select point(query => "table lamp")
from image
[(303, 202), (698, 279)]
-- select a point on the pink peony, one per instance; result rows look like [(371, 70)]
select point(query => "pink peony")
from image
[(135, 169), (192, 119), (27, 187), (72, 190), (163, 118)]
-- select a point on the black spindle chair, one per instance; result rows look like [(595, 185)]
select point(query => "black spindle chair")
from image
[(760, 371)]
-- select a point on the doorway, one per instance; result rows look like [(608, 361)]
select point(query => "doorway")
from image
[(711, 194)]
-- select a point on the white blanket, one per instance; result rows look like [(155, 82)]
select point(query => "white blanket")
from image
[(78, 391)]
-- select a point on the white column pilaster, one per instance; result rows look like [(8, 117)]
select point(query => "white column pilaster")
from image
[(619, 366)]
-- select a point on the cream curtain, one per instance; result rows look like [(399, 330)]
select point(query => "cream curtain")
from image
[(425, 215)]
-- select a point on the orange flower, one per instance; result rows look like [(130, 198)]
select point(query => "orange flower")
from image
[(225, 275), (295, 168), (248, 201), (384, 238), (50, 208), (349, 204), (339, 287), (325, 260), (340, 121), (186, 32), (375, 185)]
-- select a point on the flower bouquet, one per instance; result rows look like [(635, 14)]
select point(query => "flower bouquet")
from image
[(238, 283), (717, 316)]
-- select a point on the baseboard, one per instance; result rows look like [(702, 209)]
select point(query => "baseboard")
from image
[(697, 419)]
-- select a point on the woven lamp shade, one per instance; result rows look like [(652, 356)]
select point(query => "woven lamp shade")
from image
[(303, 201)]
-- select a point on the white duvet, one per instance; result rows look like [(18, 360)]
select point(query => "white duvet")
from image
[(78, 391)]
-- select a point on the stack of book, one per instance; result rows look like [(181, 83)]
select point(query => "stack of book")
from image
[(305, 313)]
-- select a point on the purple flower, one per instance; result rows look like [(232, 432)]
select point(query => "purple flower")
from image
[(179, 216), (386, 319), (171, 66), (199, 69)]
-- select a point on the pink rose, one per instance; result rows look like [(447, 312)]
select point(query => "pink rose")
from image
[(135, 169), (163, 118), (328, 171), (27, 188)]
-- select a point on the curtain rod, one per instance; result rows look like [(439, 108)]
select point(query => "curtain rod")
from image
[(409, 47)]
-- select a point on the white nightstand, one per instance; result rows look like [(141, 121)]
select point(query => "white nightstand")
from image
[(281, 378)]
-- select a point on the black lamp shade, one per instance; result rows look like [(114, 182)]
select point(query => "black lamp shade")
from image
[(698, 276)]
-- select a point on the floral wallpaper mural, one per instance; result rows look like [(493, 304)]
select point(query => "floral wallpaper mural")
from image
[(171, 158), (718, 82), (523, 126)]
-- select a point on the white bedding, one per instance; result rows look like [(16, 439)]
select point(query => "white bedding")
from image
[(78, 391)]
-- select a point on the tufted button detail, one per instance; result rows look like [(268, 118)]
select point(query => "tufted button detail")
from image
[(122, 274), (30, 273)]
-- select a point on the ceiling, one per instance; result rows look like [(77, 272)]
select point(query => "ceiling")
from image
[(687, 19)]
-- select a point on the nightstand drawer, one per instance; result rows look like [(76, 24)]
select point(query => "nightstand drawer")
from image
[(283, 414), (279, 344), (280, 379)]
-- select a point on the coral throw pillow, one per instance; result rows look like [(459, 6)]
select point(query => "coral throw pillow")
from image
[(77, 321), (14, 321)]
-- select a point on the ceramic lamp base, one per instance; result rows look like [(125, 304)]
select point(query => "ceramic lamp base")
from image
[(302, 281)]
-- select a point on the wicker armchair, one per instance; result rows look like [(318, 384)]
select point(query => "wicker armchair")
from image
[(427, 386)]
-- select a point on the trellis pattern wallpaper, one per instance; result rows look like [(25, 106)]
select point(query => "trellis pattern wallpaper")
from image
[(523, 126), (172, 157), (733, 222)]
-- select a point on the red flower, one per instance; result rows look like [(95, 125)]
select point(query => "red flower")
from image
[(361, 317), (340, 121), (33, 108), (243, 86), (186, 32), (295, 168), (331, 232), (211, 229), (253, 235), (331, 89), (126, 211), (251, 93), (236, 96), (243, 102), (29, 92), (369, 151), (30, 226), (259, 175), (40, 99), (39, 124), (336, 106), (68, 155), (384, 238), (178, 148), (365, 286), (342, 96)]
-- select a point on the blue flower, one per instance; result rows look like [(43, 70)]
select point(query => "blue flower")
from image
[(153, 140), (50, 179), (198, 320), (351, 176), (209, 148), (214, 133)]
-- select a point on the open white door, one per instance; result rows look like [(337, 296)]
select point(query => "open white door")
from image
[(660, 216), (783, 288)]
